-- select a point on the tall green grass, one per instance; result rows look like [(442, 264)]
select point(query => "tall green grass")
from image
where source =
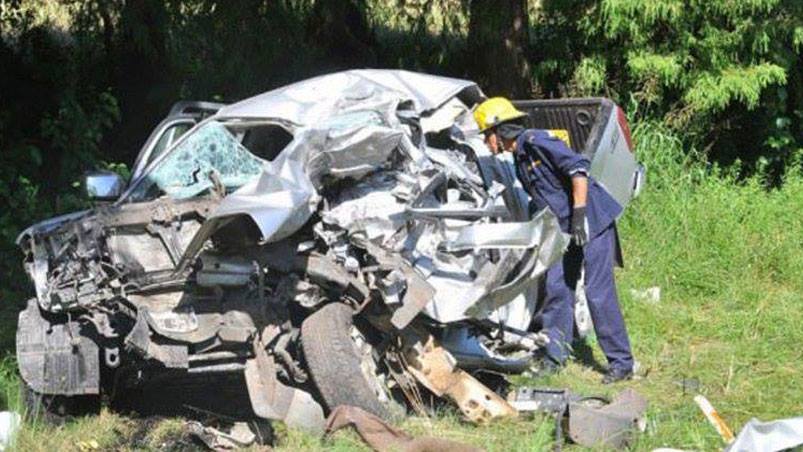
[(728, 256), (9, 385), (706, 231)]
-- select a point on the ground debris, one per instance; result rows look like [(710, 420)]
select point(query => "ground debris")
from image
[(592, 421), (757, 436), (611, 425), (9, 424), (381, 436), (238, 435), (650, 294), (714, 418)]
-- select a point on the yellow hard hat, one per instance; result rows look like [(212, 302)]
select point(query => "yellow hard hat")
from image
[(495, 111)]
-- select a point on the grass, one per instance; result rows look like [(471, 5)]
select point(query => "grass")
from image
[(727, 254)]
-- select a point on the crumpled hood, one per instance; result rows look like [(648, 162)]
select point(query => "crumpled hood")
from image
[(43, 227)]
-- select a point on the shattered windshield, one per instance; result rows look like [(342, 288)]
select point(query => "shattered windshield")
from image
[(208, 155)]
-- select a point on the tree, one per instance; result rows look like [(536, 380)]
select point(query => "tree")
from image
[(497, 47), (340, 27), (725, 73)]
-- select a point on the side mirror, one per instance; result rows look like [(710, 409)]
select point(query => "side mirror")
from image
[(103, 185)]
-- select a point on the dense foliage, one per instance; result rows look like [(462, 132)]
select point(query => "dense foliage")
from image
[(83, 82), (724, 74)]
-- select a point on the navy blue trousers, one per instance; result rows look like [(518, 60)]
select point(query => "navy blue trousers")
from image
[(557, 314)]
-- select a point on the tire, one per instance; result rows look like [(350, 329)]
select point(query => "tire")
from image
[(56, 409), (335, 363)]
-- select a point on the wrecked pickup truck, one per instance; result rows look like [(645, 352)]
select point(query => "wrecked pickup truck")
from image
[(345, 240)]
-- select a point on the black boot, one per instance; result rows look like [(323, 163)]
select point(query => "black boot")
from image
[(617, 374)]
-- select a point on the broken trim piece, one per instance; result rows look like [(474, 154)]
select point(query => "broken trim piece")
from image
[(273, 400), (435, 368)]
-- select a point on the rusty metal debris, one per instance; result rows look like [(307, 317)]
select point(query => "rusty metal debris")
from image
[(437, 370), (381, 436), (714, 418)]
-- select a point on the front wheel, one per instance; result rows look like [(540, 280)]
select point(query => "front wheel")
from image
[(341, 363)]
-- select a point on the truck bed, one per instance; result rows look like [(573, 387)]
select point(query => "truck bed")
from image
[(597, 128)]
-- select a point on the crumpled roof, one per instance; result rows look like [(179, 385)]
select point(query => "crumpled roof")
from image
[(307, 101)]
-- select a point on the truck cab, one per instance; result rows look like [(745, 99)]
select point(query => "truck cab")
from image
[(183, 116)]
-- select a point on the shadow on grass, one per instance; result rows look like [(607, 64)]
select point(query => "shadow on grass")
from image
[(584, 354)]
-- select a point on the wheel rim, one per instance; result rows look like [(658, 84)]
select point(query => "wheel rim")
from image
[(377, 381)]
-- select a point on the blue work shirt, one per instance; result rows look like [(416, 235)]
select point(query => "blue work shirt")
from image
[(549, 183)]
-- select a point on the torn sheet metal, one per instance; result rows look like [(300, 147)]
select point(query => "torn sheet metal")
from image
[(542, 243), (369, 207), (273, 400), (543, 228), (454, 164), (772, 436), (501, 283), (447, 116), (418, 292), (355, 140), (357, 143), (517, 314)]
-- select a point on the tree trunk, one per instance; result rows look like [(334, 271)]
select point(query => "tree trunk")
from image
[(340, 28), (498, 38), (143, 67)]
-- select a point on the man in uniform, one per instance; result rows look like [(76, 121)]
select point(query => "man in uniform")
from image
[(558, 178)]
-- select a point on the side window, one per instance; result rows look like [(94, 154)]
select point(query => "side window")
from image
[(266, 141), (168, 137)]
